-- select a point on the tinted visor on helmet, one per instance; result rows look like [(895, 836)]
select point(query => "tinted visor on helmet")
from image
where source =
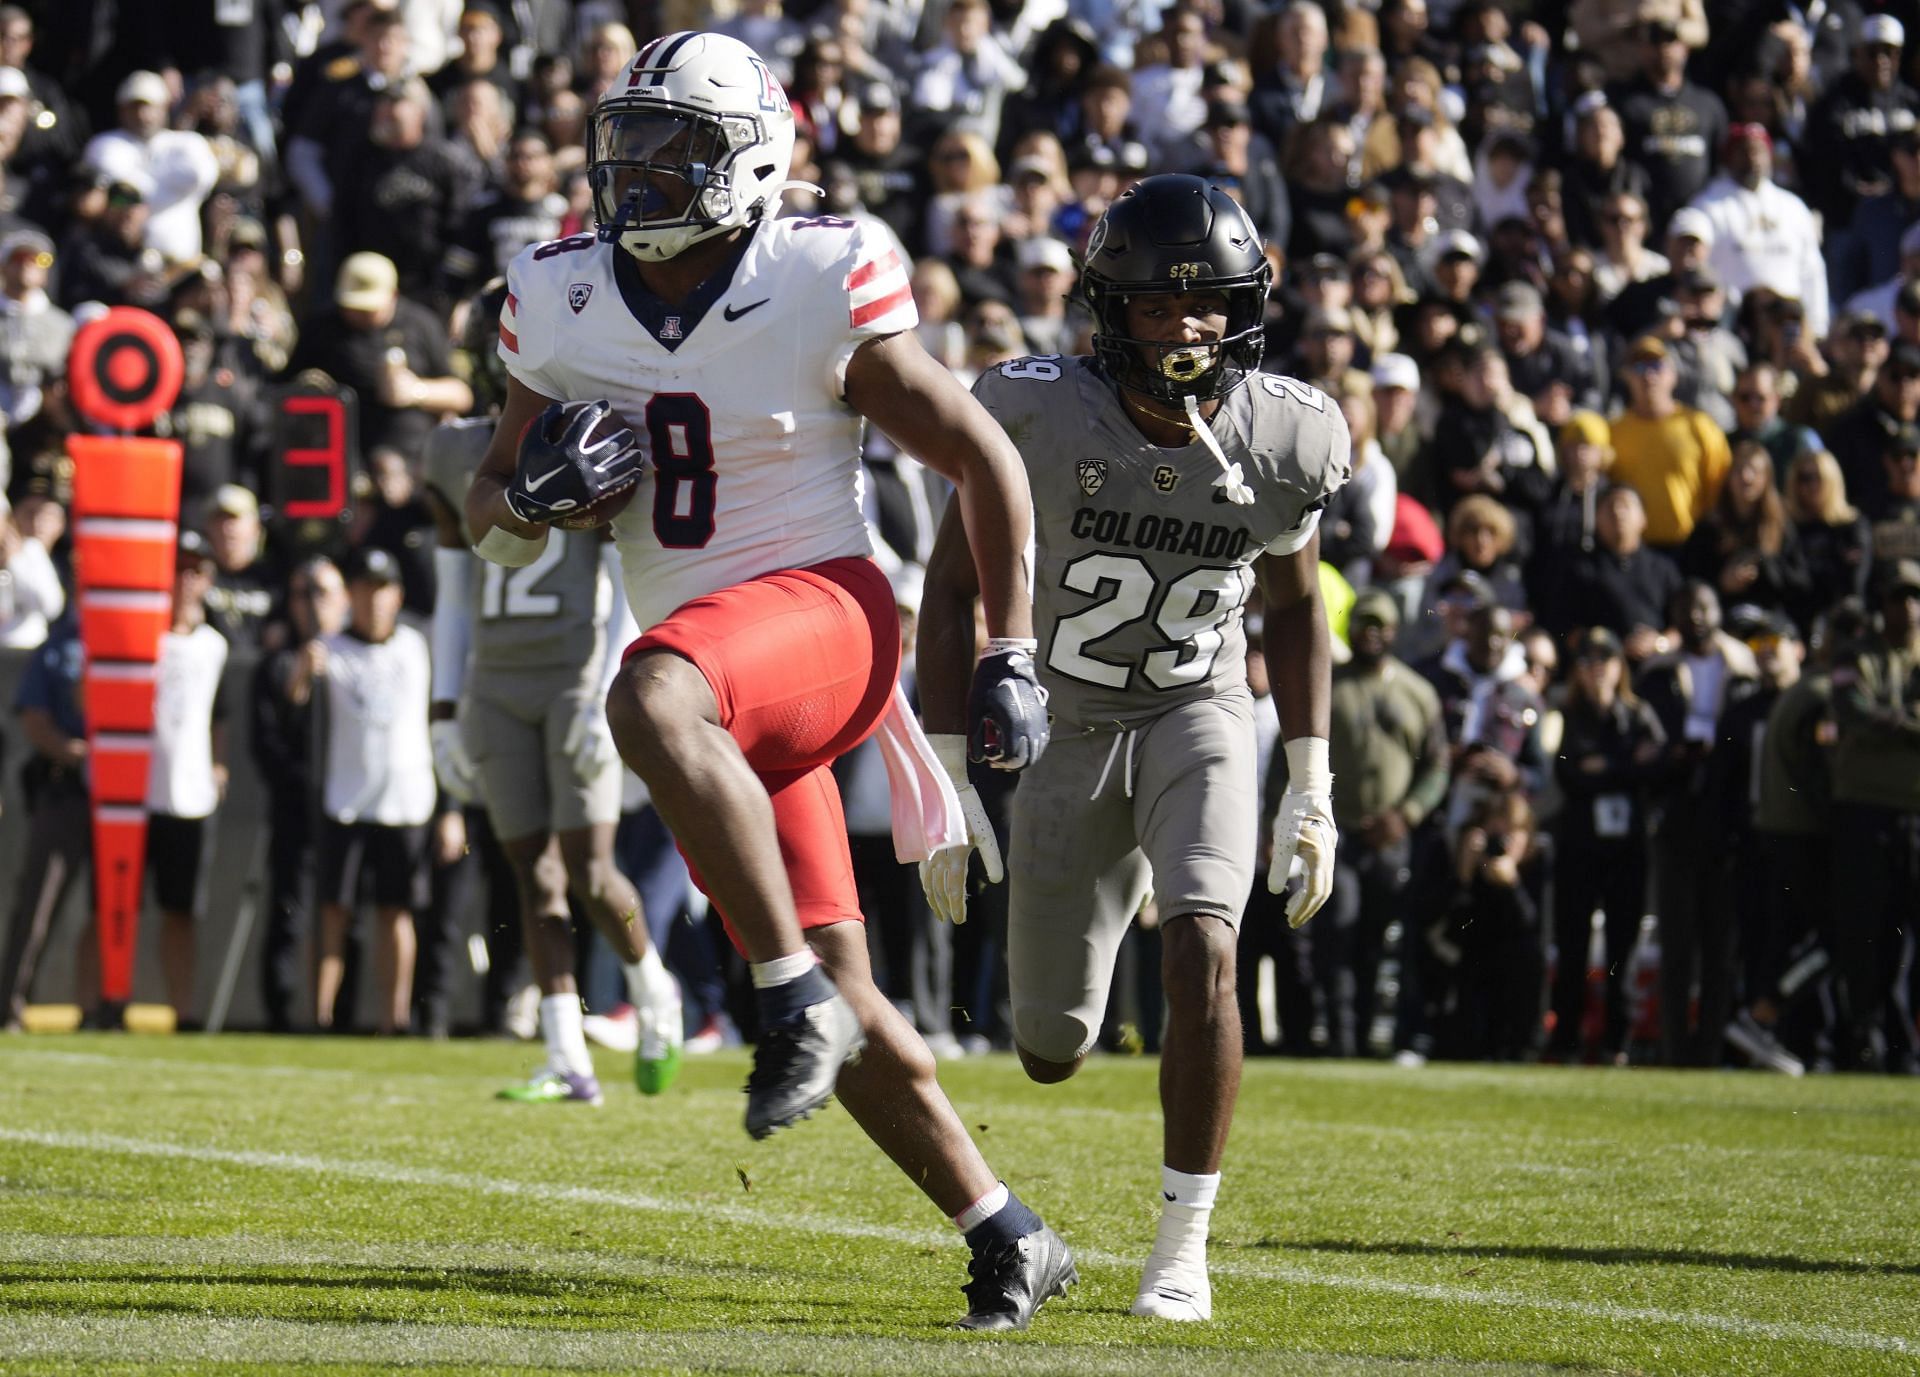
[(651, 168)]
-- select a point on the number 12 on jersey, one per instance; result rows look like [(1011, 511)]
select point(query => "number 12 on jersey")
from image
[(1189, 613)]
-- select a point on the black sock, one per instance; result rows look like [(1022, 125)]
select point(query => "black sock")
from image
[(1010, 1222), (791, 998)]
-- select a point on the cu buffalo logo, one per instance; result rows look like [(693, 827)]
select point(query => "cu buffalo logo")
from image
[(1093, 475), (1166, 477)]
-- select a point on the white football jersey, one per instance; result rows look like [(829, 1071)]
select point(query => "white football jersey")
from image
[(740, 390)]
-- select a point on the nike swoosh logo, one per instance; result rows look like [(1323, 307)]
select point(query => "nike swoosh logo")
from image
[(535, 484), (1168, 1194), (733, 315)]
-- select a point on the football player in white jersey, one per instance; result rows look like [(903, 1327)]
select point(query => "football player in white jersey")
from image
[(521, 663), (1168, 476), (744, 352)]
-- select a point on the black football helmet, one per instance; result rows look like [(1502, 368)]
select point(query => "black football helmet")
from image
[(1176, 233), (480, 340)]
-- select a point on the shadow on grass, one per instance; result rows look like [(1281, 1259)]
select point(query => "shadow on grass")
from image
[(1600, 1257), (494, 1281)]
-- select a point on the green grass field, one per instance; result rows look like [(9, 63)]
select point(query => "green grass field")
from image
[(253, 1205)]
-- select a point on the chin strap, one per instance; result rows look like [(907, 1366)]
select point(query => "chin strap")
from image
[(774, 198), (1230, 477)]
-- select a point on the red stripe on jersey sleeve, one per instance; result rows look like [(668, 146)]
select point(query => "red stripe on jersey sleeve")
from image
[(871, 269), (513, 303), (508, 338), (873, 310)]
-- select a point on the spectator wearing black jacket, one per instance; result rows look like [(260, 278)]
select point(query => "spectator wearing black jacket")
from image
[(105, 260), (1744, 546), (1848, 130), (1565, 526), (1833, 536), (1672, 126), (1318, 188), (1876, 828), (392, 351), (1476, 448), (283, 750), (1609, 758), (1488, 934), (1691, 690), (1861, 434), (1895, 531), (1597, 173), (1240, 159), (893, 177), (56, 129), (1621, 584), (1734, 787), (409, 194), (1539, 358)]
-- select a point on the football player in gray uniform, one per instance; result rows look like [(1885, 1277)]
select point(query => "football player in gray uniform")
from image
[(1169, 476), (521, 663)]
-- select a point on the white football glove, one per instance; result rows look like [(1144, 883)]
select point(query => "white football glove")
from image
[(943, 875), (452, 766), (1304, 836), (589, 742)]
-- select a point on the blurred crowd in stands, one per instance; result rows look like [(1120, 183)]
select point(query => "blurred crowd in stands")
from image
[(1621, 300)]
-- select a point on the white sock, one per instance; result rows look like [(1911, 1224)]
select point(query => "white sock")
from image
[(1186, 1209), (647, 979), (1185, 1188), (983, 1209), (767, 974), (1174, 1285), (566, 1042)]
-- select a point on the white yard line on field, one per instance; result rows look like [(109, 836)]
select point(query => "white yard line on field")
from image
[(298, 1343), (1537, 1145), (391, 1173)]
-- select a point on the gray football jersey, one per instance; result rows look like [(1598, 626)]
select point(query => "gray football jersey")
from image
[(545, 616), (1142, 565)]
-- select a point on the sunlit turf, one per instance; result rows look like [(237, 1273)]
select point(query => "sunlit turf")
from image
[(250, 1204)]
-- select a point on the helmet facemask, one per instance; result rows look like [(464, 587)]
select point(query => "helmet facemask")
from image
[(663, 179), (1170, 372)]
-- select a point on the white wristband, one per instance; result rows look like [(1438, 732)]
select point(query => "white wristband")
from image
[(999, 645), (951, 751), (504, 547), (1308, 768)]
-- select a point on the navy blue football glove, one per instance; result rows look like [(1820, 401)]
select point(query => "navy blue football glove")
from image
[(574, 454), (1008, 710)]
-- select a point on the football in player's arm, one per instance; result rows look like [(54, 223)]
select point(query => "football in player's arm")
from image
[(723, 359)]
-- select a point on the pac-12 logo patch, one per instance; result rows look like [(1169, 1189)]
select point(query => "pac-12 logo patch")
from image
[(1093, 475), (1165, 477), (578, 295)]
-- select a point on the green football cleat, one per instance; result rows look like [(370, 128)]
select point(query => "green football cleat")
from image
[(656, 1066), (554, 1087)]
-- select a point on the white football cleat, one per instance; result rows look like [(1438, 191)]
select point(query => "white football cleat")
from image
[(1174, 1288)]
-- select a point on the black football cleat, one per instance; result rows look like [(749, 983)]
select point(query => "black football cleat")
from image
[(1012, 1281), (797, 1063)]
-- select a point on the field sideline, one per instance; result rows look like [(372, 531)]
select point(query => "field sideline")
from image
[(253, 1204)]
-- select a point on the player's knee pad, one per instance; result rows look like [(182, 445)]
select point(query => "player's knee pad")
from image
[(1051, 1035)]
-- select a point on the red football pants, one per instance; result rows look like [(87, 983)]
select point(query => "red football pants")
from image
[(802, 663)]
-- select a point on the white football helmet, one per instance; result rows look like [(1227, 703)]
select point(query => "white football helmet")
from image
[(698, 111)]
